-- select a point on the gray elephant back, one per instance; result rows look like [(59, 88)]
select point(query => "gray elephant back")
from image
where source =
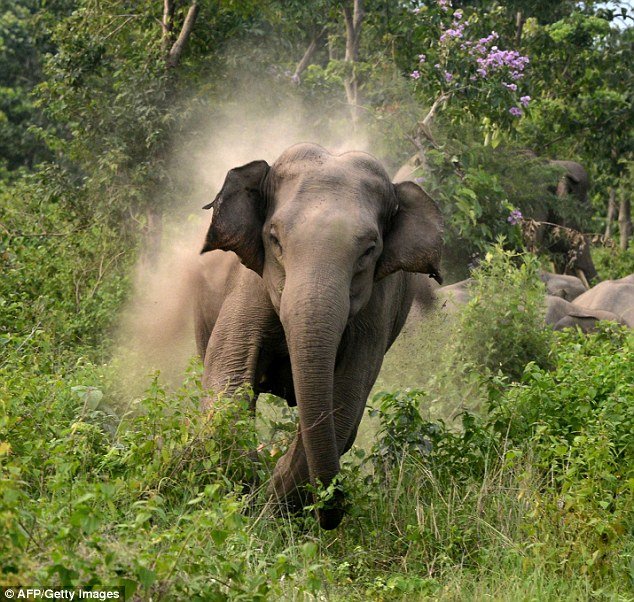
[(610, 295), (562, 285)]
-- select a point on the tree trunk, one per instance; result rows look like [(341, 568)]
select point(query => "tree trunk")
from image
[(173, 46), (520, 19), (354, 18), (611, 212), (625, 221), (315, 43)]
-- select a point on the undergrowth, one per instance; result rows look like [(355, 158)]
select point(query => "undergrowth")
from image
[(169, 502)]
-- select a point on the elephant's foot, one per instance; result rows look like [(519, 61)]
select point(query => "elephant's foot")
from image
[(289, 495)]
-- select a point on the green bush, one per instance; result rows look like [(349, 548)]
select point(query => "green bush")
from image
[(502, 327), (63, 279), (554, 453), (577, 423), (612, 263)]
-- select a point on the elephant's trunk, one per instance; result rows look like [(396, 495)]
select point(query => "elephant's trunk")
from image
[(314, 311)]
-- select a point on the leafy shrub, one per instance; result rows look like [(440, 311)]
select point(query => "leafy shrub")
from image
[(62, 278), (502, 327), (612, 263), (577, 422), (553, 452)]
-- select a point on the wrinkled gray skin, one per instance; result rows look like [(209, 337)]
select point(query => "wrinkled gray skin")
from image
[(315, 289), (562, 314), (616, 296), (562, 285)]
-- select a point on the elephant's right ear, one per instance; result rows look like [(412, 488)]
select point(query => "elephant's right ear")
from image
[(239, 211)]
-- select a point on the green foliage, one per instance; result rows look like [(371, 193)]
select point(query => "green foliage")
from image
[(24, 40), (63, 278), (612, 263), (502, 327), (563, 437), (478, 200), (526, 496)]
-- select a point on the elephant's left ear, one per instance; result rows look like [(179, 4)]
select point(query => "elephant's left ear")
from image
[(237, 221), (413, 242)]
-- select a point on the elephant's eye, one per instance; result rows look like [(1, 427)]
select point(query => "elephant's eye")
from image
[(369, 251), (363, 261), (275, 241)]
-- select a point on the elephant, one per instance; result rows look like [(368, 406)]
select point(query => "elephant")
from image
[(453, 296), (562, 285), (565, 180), (571, 256), (616, 296), (312, 265), (560, 311), (562, 314)]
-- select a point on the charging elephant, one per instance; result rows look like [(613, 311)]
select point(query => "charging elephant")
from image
[(312, 267)]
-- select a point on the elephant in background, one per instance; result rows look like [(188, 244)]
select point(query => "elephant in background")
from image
[(570, 257), (616, 296), (562, 314), (567, 302), (562, 285), (453, 296), (309, 269)]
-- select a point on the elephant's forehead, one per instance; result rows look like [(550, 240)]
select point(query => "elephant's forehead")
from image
[(335, 185), (319, 218)]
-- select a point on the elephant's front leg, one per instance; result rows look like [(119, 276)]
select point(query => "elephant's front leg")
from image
[(246, 327)]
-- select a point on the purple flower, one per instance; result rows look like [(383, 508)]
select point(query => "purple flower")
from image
[(415, 74), (444, 4), (515, 217), (416, 11), (448, 76), (437, 65), (499, 59), (454, 33), (525, 100), (419, 180), (512, 87), (481, 72), (515, 111), (422, 58), (457, 15)]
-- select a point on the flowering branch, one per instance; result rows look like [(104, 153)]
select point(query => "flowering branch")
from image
[(476, 67)]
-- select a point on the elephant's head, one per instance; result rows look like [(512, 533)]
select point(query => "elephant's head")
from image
[(322, 230), (574, 180)]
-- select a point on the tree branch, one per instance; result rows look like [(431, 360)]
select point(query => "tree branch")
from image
[(353, 18), (308, 55), (173, 58), (167, 24)]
